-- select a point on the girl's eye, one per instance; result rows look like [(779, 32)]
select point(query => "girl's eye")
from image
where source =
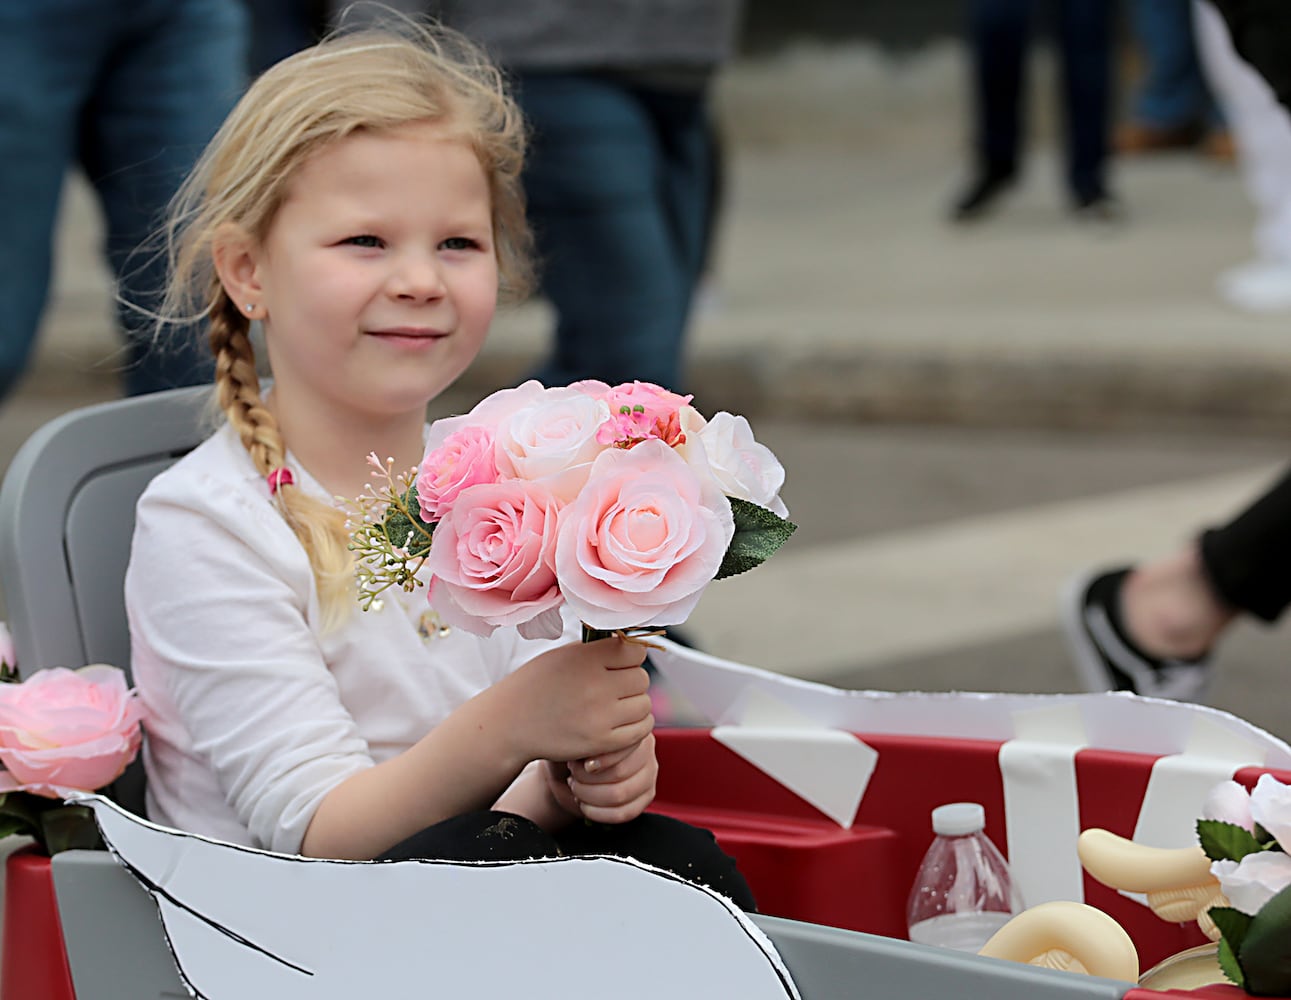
[(459, 243), (367, 241)]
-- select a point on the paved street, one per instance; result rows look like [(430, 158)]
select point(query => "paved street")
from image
[(966, 416)]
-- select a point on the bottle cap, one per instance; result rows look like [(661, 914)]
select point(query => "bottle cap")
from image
[(958, 818)]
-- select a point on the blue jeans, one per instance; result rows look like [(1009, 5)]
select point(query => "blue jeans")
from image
[(1173, 91), (131, 91), (999, 31), (619, 182)]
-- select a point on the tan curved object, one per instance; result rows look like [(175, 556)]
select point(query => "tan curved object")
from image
[(1090, 940), (1177, 881)]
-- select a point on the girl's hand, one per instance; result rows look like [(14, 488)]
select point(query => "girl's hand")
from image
[(576, 701), (611, 788)]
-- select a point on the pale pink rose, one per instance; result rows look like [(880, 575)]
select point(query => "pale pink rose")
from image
[(642, 540), (553, 440), (642, 411), (1253, 881), (742, 467), (67, 729), (1271, 808), (488, 412), (492, 558), (1229, 802), (465, 459), (8, 658)]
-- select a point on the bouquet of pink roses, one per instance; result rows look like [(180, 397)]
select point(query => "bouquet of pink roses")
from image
[(621, 501)]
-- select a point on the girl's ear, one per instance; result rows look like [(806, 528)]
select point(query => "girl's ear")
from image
[(236, 256)]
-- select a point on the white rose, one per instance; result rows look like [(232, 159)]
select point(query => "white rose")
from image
[(553, 440), (8, 657), (1271, 808), (742, 467), (1229, 802), (1253, 881)]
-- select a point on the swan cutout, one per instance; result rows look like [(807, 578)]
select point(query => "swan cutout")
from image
[(242, 922)]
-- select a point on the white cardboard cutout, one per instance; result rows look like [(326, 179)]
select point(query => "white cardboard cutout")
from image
[(828, 768), (245, 923)]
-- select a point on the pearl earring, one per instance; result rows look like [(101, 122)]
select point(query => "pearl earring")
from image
[(251, 307)]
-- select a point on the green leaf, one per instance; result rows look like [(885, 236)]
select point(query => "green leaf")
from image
[(1233, 924), (1226, 841), (758, 533), (68, 828), (1265, 954), (22, 813), (1228, 964)]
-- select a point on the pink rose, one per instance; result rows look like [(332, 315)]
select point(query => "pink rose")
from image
[(465, 459), (1253, 881), (1271, 808), (492, 560), (641, 411), (66, 729), (743, 467), (553, 440), (1229, 802), (642, 540)]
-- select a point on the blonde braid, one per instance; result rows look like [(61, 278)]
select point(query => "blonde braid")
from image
[(318, 525)]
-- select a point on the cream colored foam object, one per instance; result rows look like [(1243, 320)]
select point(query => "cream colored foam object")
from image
[(1075, 937)]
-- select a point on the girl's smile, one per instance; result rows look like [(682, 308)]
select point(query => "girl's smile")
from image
[(378, 276)]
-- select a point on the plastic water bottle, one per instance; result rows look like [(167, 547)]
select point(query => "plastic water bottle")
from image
[(963, 893)]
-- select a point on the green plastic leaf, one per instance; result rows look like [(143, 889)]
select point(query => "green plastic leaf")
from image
[(1226, 841), (1233, 924), (1228, 964), (758, 533), (67, 828), (1265, 954)]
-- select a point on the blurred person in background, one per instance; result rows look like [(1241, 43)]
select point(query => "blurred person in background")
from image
[(1261, 130), (621, 169), (281, 27), (998, 32), (1152, 628), (1172, 107), (130, 91)]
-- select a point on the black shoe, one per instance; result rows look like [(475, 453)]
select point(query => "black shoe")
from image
[(978, 197), (1098, 206), (1106, 657)]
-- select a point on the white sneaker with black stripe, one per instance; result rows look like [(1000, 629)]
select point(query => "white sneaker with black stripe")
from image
[(1107, 658)]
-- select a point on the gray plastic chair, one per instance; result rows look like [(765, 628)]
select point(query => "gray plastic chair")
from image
[(66, 520)]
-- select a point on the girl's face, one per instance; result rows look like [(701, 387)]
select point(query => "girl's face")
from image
[(378, 278)]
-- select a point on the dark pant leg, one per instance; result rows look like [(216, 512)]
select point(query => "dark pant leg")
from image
[(603, 202), (1248, 560), (997, 31), (49, 57), (1085, 38), (487, 835), (689, 852), (176, 69)]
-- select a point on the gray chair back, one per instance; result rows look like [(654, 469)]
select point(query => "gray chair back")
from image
[(67, 508)]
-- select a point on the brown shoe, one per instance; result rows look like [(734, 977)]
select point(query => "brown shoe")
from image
[(1218, 146), (1134, 138)]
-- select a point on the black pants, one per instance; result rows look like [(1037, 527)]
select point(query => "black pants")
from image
[(1248, 560), (998, 31), (689, 852)]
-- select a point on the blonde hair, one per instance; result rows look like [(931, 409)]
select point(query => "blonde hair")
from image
[(374, 80)]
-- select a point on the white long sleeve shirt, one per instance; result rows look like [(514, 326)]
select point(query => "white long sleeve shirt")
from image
[(253, 712)]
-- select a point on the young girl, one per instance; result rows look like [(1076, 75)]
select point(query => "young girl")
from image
[(362, 202)]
